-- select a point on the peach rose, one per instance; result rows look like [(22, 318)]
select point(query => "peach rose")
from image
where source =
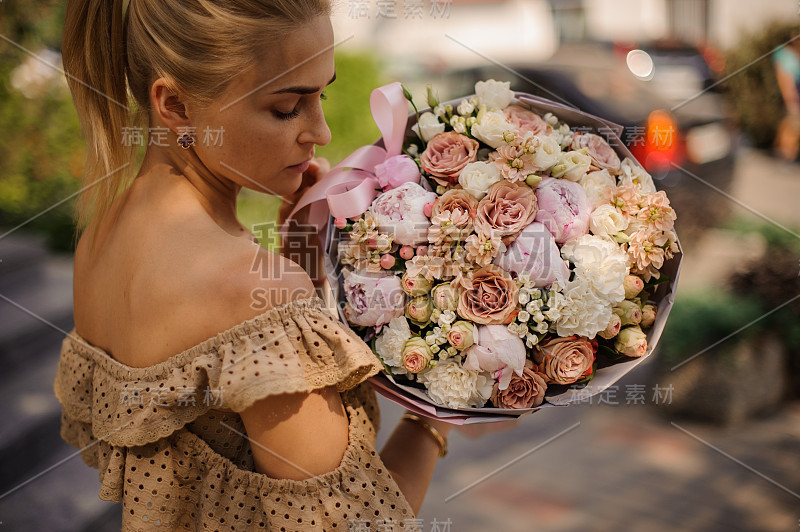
[(525, 120), (506, 210), (603, 155), (492, 299), (416, 355), (447, 154), (453, 200), (524, 391), (565, 360)]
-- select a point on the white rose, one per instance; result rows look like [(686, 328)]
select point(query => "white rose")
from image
[(548, 152), (428, 126), (494, 94), (399, 213), (477, 177), (490, 127), (606, 220), (571, 165), (450, 385), (465, 107), (580, 311), (602, 263), (389, 345), (596, 185), (632, 172)]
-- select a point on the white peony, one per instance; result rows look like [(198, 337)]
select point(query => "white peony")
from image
[(399, 213), (477, 177), (548, 152), (571, 165), (601, 263), (494, 94), (607, 221), (580, 311), (632, 172), (597, 185), (490, 127), (389, 345), (450, 385), (428, 126)]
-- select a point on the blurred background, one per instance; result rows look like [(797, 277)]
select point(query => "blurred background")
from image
[(705, 435)]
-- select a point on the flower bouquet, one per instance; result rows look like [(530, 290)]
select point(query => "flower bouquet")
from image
[(498, 253)]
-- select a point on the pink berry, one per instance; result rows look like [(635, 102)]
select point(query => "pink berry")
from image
[(372, 242), (387, 261), (422, 250), (340, 222), (427, 209), (406, 252)]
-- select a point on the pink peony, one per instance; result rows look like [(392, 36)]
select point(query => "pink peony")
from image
[(397, 170), (373, 298), (536, 253), (564, 208), (399, 213), (497, 351)]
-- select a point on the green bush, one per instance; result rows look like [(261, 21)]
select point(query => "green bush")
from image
[(753, 92)]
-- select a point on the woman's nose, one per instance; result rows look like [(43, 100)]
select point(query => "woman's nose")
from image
[(316, 129)]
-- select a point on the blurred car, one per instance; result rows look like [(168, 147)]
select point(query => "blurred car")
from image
[(689, 147)]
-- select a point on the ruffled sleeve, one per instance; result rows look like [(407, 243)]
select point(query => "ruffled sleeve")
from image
[(297, 347)]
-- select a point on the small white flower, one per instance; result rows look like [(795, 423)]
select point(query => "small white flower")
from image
[(524, 297), (447, 318), (523, 316), (440, 111), (494, 94), (465, 107), (428, 126)]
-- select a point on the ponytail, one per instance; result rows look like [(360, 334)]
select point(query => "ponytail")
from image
[(93, 51)]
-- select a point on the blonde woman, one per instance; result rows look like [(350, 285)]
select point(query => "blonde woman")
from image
[(199, 410)]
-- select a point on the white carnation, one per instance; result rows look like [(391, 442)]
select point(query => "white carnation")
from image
[(428, 126), (477, 177), (389, 345), (580, 311), (494, 94), (601, 263), (449, 384), (632, 172), (606, 220), (490, 127), (597, 185)]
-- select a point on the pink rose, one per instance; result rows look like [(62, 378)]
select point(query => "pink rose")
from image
[(497, 351), (461, 335), (603, 155), (525, 120), (373, 298), (397, 170), (564, 208), (536, 253), (524, 391), (492, 298), (416, 355), (447, 154), (506, 210), (565, 360)]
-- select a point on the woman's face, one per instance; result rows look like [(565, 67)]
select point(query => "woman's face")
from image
[(261, 133)]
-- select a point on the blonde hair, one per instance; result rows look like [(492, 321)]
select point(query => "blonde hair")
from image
[(113, 55)]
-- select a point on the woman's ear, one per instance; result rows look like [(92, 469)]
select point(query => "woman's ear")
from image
[(169, 105)]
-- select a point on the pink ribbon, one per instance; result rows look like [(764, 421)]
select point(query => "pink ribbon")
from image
[(349, 188)]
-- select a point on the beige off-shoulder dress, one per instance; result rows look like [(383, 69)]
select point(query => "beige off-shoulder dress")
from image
[(168, 442)]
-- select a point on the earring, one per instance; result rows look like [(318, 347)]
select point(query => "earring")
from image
[(185, 141)]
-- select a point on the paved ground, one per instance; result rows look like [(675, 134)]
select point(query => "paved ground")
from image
[(631, 467)]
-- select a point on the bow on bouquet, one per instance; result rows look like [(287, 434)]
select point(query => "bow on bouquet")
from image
[(501, 257)]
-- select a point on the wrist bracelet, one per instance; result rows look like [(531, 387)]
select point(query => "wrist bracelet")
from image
[(441, 441)]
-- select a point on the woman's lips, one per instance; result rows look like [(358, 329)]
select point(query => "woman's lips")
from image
[(300, 168)]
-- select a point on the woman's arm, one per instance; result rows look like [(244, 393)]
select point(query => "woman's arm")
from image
[(788, 91)]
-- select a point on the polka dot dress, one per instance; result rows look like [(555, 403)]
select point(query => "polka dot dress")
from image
[(168, 442)]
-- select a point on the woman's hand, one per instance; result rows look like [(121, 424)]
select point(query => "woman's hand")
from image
[(302, 244)]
